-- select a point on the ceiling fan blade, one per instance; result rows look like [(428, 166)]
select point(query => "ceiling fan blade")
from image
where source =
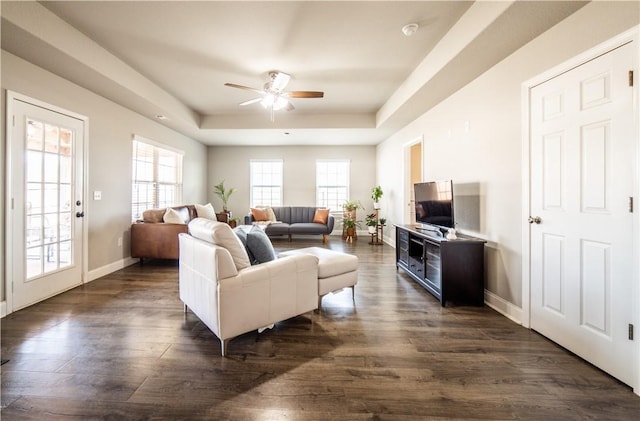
[(251, 101), (303, 94), (246, 88)]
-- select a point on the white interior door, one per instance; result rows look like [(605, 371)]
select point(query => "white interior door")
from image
[(582, 178), (413, 174), (47, 209)]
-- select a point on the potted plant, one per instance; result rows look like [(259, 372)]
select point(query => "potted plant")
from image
[(350, 225), (371, 222), (383, 221), (351, 205), (376, 194), (223, 194), (233, 222)]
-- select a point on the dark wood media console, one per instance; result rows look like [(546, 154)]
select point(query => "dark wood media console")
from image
[(451, 270)]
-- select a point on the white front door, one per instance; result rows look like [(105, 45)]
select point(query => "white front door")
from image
[(582, 178), (47, 209)]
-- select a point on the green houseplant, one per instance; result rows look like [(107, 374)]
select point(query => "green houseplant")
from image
[(351, 205), (376, 194), (350, 224), (371, 221), (223, 194)]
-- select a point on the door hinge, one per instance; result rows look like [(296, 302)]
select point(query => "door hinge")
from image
[(630, 331), (630, 77), (630, 204)]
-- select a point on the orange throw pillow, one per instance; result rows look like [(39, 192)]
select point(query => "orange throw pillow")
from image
[(259, 214), (321, 216)]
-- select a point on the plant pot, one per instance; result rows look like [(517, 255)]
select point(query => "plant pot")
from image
[(376, 205), (351, 232), (372, 230)]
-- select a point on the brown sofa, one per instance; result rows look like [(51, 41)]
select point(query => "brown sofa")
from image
[(151, 238)]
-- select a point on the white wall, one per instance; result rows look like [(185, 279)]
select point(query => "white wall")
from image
[(111, 128), (231, 163), (485, 161)]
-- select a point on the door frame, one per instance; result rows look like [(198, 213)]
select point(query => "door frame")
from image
[(632, 35), (9, 229), (406, 176)]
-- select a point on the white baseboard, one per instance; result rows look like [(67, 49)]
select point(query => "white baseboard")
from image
[(504, 307), (110, 268), (3, 309)]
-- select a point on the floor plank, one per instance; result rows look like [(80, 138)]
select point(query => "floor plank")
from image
[(121, 348)]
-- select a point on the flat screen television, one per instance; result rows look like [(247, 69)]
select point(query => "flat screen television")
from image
[(434, 204)]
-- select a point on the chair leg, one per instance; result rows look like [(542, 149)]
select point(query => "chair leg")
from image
[(319, 301), (185, 308), (223, 347), (325, 238), (353, 293)]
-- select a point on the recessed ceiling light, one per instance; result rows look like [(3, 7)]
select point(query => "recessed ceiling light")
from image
[(161, 117), (410, 29)]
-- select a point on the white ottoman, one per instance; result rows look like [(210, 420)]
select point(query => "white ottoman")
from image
[(336, 270)]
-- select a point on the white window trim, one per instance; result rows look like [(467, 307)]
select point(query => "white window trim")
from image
[(251, 161), (337, 210), (155, 144)]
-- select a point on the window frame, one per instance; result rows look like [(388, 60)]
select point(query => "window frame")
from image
[(252, 186), (326, 202), (156, 187)]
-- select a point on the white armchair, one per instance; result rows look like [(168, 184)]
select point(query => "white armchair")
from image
[(231, 297)]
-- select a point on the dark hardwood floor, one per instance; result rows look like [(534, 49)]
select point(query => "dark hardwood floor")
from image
[(121, 348)]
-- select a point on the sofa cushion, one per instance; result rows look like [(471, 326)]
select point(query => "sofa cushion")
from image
[(308, 228), (206, 211), (173, 216), (279, 228), (260, 246), (301, 214), (321, 216), (222, 235)]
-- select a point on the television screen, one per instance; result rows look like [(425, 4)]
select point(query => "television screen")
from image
[(434, 203)]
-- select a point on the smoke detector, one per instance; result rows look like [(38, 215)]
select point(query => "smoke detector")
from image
[(410, 29)]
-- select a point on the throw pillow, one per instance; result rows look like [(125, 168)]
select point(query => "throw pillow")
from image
[(260, 246), (241, 233), (270, 214), (206, 211), (321, 216), (171, 216), (222, 235), (259, 214)]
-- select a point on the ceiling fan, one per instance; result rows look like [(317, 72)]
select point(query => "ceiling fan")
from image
[(273, 95)]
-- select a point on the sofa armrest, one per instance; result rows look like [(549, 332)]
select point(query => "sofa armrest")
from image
[(268, 293), (331, 220), (156, 240)]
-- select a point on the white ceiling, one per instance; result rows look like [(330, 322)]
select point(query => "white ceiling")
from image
[(173, 58)]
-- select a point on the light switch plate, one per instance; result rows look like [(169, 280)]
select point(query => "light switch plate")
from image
[(97, 195)]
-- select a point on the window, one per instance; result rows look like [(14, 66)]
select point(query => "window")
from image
[(332, 183), (157, 177), (266, 182)]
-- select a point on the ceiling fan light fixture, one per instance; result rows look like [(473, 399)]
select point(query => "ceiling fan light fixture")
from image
[(274, 101)]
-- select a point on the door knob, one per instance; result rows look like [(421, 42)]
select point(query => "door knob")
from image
[(534, 220), (79, 214)]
